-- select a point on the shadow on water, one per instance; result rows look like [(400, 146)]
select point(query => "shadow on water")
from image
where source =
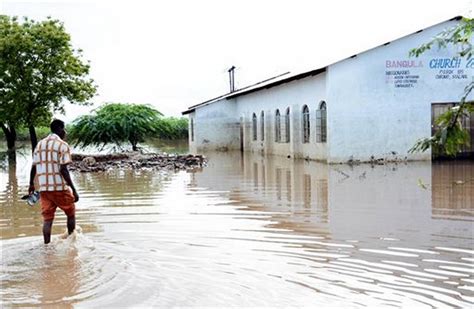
[(249, 230)]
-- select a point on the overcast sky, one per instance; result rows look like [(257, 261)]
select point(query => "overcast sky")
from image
[(173, 54)]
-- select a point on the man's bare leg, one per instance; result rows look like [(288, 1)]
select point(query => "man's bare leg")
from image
[(47, 225), (71, 224)]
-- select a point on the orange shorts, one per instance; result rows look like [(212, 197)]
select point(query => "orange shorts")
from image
[(50, 200)]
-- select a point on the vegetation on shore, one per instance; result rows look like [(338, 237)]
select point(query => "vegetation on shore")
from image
[(174, 128), (118, 123), (39, 71), (23, 134), (170, 128)]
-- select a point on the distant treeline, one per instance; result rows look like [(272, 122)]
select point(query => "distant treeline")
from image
[(22, 133), (172, 128)]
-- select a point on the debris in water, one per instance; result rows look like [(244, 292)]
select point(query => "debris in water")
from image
[(136, 161), (421, 184)]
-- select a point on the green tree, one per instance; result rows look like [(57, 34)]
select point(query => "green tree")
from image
[(450, 136), (39, 71), (115, 123), (173, 128)]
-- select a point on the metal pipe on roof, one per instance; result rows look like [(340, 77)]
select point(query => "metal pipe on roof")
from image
[(231, 79)]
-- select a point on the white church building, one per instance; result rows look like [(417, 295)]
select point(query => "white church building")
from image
[(371, 106)]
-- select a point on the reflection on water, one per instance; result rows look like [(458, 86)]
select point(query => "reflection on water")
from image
[(248, 231), (453, 189)]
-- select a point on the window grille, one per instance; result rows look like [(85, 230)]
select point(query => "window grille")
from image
[(306, 124), (254, 127), (277, 126), (321, 123)]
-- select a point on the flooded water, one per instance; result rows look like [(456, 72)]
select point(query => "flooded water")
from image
[(248, 231)]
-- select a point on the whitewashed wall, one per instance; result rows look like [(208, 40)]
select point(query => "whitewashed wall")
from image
[(370, 116), (216, 127), (309, 91), (378, 106)]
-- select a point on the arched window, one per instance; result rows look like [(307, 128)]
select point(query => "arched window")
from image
[(287, 125), (262, 126), (277, 126), (191, 127), (306, 124), (321, 126), (254, 127)]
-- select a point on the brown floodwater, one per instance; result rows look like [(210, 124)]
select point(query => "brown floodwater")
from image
[(247, 231)]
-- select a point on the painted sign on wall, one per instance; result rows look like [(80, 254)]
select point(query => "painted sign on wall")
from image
[(406, 73), (450, 68), (402, 73)]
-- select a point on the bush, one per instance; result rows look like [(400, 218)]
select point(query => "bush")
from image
[(115, 123), (173, 128)]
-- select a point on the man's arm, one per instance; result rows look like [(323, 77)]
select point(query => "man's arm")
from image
[(31, 189), (67, 177)]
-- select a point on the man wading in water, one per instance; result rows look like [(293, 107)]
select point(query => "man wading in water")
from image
[(50, 160)]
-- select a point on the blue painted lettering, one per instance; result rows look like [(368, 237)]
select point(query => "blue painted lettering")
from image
[(445, 63)]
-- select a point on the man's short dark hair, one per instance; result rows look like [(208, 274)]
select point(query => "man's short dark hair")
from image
[(56, 125)]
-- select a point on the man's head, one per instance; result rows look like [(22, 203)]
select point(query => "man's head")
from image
[(57, 127)]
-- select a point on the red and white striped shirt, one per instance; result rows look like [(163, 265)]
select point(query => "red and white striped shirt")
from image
[(49, 154)]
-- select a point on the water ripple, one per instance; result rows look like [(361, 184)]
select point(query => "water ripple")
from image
[(261, 235)]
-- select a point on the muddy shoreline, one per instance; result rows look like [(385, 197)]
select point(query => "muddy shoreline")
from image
[(86, 163)]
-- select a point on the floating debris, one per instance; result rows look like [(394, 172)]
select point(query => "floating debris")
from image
[(421, 184), (135, 161)]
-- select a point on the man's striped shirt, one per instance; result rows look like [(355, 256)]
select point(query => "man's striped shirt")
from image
[(49, 154)]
